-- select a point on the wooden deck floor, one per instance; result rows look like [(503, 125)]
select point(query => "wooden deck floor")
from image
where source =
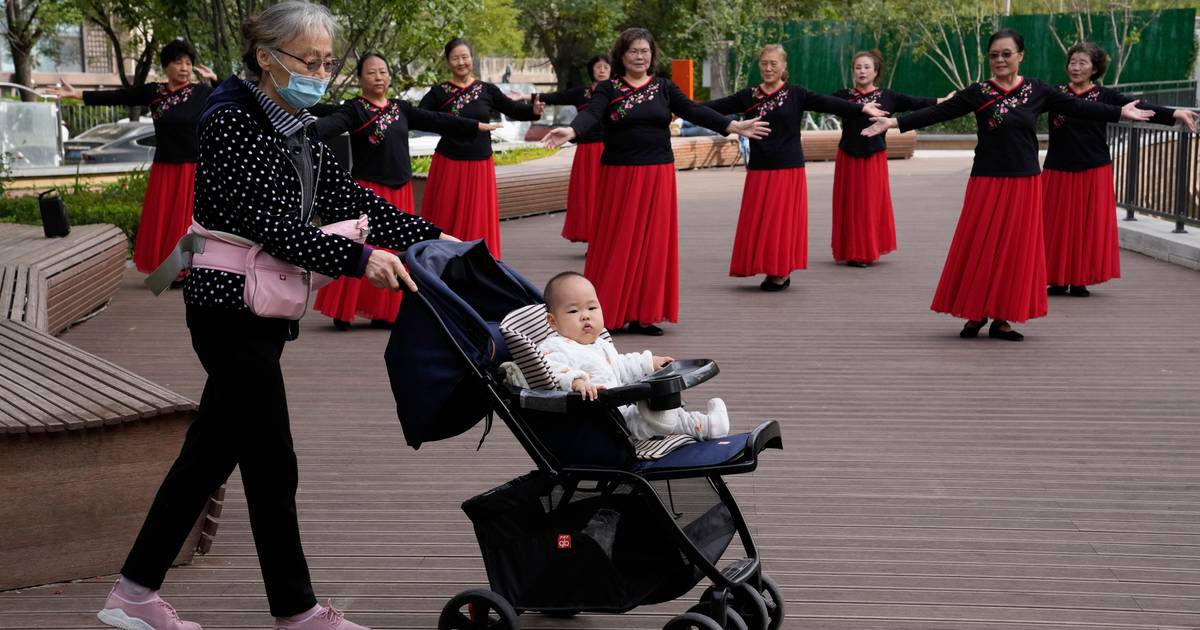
[(928, 483)]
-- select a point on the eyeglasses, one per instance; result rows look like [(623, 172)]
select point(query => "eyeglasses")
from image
[(1001, 54), (330, 65)]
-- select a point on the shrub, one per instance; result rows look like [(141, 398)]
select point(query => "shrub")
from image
[(118, 203)]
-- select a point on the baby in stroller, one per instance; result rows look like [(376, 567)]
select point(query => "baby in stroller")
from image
[(581, 360)]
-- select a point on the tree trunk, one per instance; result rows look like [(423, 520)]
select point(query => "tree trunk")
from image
[(22, 39), (23, 71)]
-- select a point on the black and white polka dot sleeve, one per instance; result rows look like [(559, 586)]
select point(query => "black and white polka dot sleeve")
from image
[(340, 198)]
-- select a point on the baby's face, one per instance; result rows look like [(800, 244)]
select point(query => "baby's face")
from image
[(577, 315)]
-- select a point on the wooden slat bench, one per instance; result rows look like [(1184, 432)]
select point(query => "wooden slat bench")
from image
[(84, 444), (534, 187), (819, 146), (52, 283)]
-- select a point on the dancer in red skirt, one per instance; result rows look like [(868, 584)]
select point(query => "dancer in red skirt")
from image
[(460, 195), (1081, 209), (585, 167), (863, 226), (175, 107), (996, 267), (378, 128), (772, 230), (633, 259)]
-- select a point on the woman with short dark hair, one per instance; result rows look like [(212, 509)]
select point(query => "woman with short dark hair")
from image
[(262, 176), (460, 194), (585, 166), (175, 107), (1081, 208), (633, 258), (996, 267)]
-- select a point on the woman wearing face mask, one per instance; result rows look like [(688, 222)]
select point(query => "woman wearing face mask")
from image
[(461, 192), (175, 107), (585, 167), (863, 225), (633, 259), (1081, 209), (262, 175), (772, 230), (378, 128), (996, 267)]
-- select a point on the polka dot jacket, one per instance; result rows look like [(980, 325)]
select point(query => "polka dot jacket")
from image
[(247, 184)]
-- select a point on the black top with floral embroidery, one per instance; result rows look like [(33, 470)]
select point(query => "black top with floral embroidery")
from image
[(858, 145), (579, 98), (637, 120), (784, 110), (379, 135), (475, 101), (175, 114), (247, 184), (1079, 145), (1007, 143)]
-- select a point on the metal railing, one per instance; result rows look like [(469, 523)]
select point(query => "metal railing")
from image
[(79, 117), (1157, 171), (1164, 93)]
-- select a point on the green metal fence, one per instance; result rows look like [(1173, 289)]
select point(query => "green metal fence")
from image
[(819, 53)]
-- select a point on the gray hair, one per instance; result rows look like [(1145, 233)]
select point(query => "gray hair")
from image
[(278, 24)]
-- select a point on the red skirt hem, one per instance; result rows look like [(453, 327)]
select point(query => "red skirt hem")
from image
[(166, 213), (633, 258), (460, 198), (996, 266), (772, 229), (864, 226), (1082, 243), (581, 192)]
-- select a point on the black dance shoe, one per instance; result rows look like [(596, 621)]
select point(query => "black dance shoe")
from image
[(341, 324), (857, 263), (638, 328), (381, 323), (1008, 335), (971, 332), (1056, 289), (1078, 290), (767, 285)]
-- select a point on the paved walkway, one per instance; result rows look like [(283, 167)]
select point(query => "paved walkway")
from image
[(928, 483)]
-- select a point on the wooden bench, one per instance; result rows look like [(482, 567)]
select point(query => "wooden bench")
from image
[(52, 283), (84, 445), (529, 188), (819, 146)]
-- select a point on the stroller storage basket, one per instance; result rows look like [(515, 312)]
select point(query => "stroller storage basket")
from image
[(609, 545)]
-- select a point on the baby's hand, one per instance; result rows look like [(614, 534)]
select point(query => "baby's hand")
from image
[(585, 387), (659, 362)]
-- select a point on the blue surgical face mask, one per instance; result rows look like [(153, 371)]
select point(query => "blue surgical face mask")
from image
[(302, 90)]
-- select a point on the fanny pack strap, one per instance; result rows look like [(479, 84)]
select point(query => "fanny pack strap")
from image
[(222, 251)]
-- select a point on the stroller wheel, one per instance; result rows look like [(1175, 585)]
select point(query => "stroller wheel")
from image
[(691, 621), (761, 611), (733, 620), (773, 598), (478, 609)]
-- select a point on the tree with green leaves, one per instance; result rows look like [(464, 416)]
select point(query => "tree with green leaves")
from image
[(569, 32), (27, 23)]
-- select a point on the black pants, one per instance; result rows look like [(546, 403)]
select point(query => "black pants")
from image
[(243, 421)]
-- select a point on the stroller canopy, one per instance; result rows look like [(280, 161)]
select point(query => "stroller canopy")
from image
[(447, 335)]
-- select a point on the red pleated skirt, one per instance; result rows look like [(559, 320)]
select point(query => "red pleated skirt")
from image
[(772, 229), (633, 257), (863, 226), (348, 296), (581, 192), (460, 198), (166, 213), (1082, 247), (996, 267)]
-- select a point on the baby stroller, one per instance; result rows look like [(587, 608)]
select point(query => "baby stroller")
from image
[(604, 523)]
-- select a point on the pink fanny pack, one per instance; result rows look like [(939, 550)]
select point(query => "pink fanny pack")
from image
[(274, 288)]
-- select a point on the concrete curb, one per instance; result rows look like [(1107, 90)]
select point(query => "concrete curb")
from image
[(1155, 238)]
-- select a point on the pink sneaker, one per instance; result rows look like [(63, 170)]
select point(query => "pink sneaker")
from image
[(319, 618), (153, 614)]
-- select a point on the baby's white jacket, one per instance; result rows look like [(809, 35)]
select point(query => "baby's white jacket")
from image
[(599, 362)]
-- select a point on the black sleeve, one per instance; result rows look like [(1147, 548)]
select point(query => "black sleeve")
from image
[(134, 96), (906, 103), (732, 104), (515, 110), (336, 120), (1068, 105), (691, 111), (1162, 115), (815, 102), (430, 100), (567, 97), (321, 110), (592, 113), (439, 122), (957, 106)]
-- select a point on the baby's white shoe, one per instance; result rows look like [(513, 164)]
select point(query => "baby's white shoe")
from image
[(718, 419)]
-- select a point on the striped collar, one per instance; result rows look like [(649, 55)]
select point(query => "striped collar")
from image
[(285, 123)]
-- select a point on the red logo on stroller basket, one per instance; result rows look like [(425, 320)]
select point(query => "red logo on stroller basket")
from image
[(564, 541)]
